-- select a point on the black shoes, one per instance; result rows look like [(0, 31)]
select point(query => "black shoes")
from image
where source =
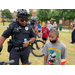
[(29, 63), (72, 42)]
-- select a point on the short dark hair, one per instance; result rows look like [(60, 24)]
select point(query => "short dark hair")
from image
[(55, 31)]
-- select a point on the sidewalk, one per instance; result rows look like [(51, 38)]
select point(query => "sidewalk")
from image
[(66, 30)]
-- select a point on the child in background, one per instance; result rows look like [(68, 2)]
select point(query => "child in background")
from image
[(45, 33), (39, 30), (36, 29), (54, 51)]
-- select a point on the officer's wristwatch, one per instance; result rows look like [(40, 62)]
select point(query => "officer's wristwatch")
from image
[(29, 42)]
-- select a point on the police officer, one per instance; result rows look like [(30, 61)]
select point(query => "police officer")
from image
[(19, 30), (73, 34), (33, 21)]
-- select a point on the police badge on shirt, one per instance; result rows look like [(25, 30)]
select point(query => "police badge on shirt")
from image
[(26, 28)]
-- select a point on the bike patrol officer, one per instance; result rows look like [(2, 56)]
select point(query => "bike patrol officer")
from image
[(33, 21), (19, 30)]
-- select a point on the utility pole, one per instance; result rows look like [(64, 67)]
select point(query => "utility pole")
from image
[(2, 17)]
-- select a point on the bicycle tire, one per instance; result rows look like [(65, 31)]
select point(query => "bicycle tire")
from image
[(37, 52)]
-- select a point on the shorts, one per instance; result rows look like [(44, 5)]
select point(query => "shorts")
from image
[(23, 55), (44, 38), (39, 30)]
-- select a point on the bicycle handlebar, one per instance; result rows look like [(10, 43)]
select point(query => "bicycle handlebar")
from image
[(10, 62), (5, 63)]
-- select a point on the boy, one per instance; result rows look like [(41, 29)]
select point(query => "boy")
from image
[(45, 33), (54, 50)]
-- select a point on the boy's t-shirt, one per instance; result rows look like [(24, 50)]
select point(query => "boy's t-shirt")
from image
[(45, 32), (55, 52)]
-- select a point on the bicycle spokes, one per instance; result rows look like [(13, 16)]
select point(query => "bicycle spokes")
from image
[(37, 45)]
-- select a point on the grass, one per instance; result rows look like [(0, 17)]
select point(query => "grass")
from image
[(5, 23), (65, 37)]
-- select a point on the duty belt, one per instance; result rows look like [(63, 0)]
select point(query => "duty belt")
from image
[(19, 49)]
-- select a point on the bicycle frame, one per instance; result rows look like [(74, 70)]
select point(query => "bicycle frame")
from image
[(35, 43)]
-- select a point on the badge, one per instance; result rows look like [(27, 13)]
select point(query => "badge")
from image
[(26, 28)]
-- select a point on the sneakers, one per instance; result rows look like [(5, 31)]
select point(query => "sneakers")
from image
[(29, 63), (72, 42)]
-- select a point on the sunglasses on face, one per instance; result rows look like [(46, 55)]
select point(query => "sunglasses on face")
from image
[(22, 20)]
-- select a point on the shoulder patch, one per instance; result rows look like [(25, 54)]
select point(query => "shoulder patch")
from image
[(7, 28)]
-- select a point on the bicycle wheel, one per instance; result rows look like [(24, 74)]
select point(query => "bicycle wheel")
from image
[(37, 48)]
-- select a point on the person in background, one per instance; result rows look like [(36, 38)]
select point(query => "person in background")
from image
[(45, 33), (33, 21), (36, 29), (55, 26), (49, 26), (73, 34), (42, 25), (39, 30)]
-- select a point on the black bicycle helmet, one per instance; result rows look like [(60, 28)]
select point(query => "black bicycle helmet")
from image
[(33, 18), (22, 13)]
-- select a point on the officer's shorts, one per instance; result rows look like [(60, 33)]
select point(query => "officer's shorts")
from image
[(23, 55)]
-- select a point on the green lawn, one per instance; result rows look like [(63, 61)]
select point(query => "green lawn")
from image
[(64, 37), (5, 23)]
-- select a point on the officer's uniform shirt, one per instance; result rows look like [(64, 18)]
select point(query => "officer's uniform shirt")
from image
[(73, 34), (73, 25), (18, 38)]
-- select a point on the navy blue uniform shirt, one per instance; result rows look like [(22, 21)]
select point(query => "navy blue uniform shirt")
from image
[(18, 38), (73, 25)]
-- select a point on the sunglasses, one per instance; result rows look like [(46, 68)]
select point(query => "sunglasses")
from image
[(22, 20)]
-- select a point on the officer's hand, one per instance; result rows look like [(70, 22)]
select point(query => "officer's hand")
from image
[(26, 44)]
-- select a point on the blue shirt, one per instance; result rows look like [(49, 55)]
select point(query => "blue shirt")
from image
[(39, 26)]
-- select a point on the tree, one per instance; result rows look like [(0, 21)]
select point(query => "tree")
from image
[(30, 15), (7, 13), (54, 14), (42, 15), (69, 15), (57, 14)]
